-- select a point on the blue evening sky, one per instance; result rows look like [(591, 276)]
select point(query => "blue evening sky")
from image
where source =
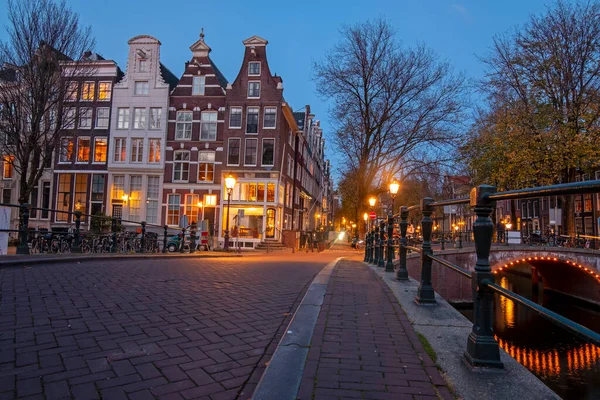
[(298, 32)]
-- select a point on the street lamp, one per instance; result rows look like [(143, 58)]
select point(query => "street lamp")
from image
[(394, 187), (366, 218), (229, 184), (372, 201)]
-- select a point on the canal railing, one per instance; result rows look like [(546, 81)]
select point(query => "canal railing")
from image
[(482, 348), (77, 235)]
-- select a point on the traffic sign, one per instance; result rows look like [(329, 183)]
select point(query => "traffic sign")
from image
[(372, 215)]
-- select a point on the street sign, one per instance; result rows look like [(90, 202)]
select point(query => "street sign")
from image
[(372, 215)]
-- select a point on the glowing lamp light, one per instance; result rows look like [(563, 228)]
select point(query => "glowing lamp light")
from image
[(229, 182), (394, 187), (199, 204), (372, 201), (366, 217), (125, 198)]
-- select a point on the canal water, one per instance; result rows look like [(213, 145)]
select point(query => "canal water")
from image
[(566, 364)]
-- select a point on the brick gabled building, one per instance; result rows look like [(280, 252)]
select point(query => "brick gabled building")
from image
[(259, 131), (194, 152)]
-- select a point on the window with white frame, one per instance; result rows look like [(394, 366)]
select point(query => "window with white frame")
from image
[(191, 207), (141, 88), (155, 114), (69, 122), (154, 150), (268, 152), (7, 172), (137, 150), (66, 150), (120, 149), (72, 89), (208, 128), (122, 118), (83, 149), (269, 118), (97, 198), (118, 187), (183, 125), (104, 91), (235, 117), (143, 65), (233, 151), (152, 197), (139, 118), (173, 209), (100, 149), (102, 114), (181, 166), (198, 85), (206, 166), (88, 90), (250, 151), (253, 90), (254, 68), (135, 197), (252, 119), (85, 118)]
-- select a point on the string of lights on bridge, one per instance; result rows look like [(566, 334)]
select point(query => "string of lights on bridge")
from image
[(554, 259)]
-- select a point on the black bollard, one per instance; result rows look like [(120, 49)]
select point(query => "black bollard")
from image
[(193, 238), (76, 248), (143, 239), (381, 261), (402, 273), (182, 243), (425, 292), (164, 250), (113, 228), (23, 247), (389, 266)]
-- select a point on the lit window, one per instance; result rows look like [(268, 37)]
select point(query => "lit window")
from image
[(233, 151), (66, 150), (154, 151), (100, 149), (87, 91), (118, 188), (254, 68), (8, 167), (137, 150), (254, 89), (181, 166), (208, 130), (63, 199), (120, 149), (102, 117), (198, 85), (173, 209), (191, 207), (104, 91), (83, 149), (135, 197), (141, 88), (206, 166), (155, 114), (139, 118), (183, 126), (123, 118), (268, 152), (250, 152), (252, 120), (270, 117), (235, 117), (143, 65), (85, 118), (72, 88)]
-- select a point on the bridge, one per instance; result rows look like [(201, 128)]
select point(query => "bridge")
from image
[(569, 271)]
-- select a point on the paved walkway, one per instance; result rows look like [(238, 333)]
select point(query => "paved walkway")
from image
[(364, 346)]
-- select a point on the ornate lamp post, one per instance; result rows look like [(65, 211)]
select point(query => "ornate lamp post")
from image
[(389, 266), (229, 184), (372, 201)]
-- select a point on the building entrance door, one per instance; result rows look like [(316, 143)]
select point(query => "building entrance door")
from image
[(270, 228)]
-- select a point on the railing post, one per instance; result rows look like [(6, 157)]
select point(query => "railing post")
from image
[(376, 246), (113, 228), (425, 293), (193, 238), (389, 266), (443, 240), (164, 250), (143, 239), (23, 247), (371, 249), (182, 244), (366, 247), (381, 261), (77, 245), (460, 246), (402, 273), (482, 348)]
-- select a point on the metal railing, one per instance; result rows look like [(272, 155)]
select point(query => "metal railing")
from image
[(76, 240), (482, 347)]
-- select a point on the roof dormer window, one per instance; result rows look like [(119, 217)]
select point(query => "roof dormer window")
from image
[(254, 68), (198, 85), (142, 65)]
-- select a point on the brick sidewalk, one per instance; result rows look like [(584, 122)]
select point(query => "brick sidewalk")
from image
[(364, 346)]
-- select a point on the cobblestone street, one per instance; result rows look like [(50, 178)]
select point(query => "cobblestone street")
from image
[(144, 329)]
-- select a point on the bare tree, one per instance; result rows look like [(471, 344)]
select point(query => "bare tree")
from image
[(391, 104), (543, 83), (42, 54)]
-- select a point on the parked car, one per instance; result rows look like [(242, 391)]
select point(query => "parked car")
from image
[(173, 244)]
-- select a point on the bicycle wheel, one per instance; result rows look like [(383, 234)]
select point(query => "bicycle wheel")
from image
[(35, 246)]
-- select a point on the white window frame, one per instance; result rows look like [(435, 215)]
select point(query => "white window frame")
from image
[(241, 113), (250, 83), (146, 64), (100, 110), (89, 139), (208, 118), (109, 90), (139, 118), (122, 144), (143, 86), (96, 140), (87, 111), (198, 85), (137, 150), (239, 150), (207, 162), (182, 162), (151, 150), (93, 92), (183, 123), (123, 115), (259, 68), (265, 119), (152, 199), (255, 153), (155, 123), (63, 140), (70, 117), (171, 206), (257, 119), (72, 89), (262, 152)]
